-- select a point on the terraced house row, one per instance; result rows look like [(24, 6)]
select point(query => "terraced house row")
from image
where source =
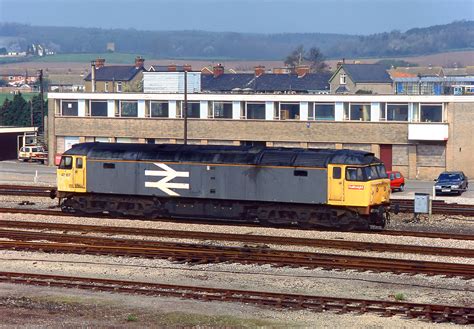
[(420, 135)]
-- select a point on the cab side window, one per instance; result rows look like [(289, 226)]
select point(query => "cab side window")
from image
[(336, 173), (66, 163), (78, 163)]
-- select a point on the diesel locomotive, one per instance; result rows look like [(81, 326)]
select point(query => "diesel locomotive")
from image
[(345, 189)]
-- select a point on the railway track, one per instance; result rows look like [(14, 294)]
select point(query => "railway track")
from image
[(204, 254), (243, 238), (24, 190), (438, 207), (405, 205), (430, 312), (419, 234)]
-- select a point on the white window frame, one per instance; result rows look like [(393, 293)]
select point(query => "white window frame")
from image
[(288, 103), (212, 116), (323, 103), (106, 86), (159, 102), (386, 114), (254, 103), (120, 108), (343, 79), (90, 107), (443, 117), (119, 86), (349, 118), (71, 101)]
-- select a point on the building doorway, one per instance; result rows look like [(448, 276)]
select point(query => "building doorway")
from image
[(386, 155)]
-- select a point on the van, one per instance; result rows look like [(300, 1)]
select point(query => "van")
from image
[(32, 153)]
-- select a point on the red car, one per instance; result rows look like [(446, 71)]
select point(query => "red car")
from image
[(397, 181)]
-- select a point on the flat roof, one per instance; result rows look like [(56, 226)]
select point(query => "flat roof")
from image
[(10, 129)]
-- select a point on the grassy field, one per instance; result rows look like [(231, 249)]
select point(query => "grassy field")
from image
[(26, 96), (117, 58)]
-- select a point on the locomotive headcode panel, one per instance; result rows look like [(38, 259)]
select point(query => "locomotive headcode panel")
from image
[(307, 186)]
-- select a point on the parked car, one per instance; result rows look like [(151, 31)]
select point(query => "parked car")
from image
[(32, 153), (397, 181), (451, 182)]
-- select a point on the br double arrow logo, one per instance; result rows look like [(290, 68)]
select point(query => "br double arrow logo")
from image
[(168, 175)]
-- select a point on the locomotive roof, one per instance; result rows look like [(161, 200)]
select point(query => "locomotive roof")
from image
[(219, 154)]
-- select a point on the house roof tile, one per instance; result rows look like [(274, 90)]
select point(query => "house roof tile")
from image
[(368, 73), (115, 73), (266, 82)]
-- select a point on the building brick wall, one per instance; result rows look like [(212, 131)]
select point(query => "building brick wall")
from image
[(399, 155), (431, 155), (360, 147), (460, 146), (375, 88), (244, 130)]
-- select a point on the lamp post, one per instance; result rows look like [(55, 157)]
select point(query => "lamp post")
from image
[(40, 77)]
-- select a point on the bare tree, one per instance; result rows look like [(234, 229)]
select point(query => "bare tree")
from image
[(313, 57)]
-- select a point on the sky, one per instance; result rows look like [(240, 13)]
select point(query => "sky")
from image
[(257, 16)]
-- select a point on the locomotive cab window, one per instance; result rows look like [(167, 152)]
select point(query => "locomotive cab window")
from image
[(355, 174), (336, 173), (66, 163), (363, 174), (79, 163)]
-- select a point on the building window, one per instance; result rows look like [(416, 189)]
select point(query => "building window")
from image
[(255, 110), (289, 111), (101, 139), (159, 110), (194, 109), (119, 87), (357, 112), (222, 110), (431, 113), (69, 108), (343, 79), (397, 112), (98, 109), (129, 109), (106, 87), (324, 112)]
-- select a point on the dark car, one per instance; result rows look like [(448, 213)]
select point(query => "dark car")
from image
[(451, 182)]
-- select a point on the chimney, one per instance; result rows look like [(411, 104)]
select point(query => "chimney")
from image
[(259, 70), (172, 68), (187, 68), (218, 70), (139, 62), (340, 63), (93, 65), (302, 70), (99, 62)]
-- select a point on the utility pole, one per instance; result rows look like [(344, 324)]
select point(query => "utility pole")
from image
[(31, 113), (40, 76), (185, 107)]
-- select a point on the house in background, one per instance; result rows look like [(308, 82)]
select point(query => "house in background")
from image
[(361, 79), (115, 78), (433, 81), (260, 81)]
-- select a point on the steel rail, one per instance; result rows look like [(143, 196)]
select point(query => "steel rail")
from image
[(430, 312), (420, 234), (244, 238), (198, 253), (23, 190), (406, 205)]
